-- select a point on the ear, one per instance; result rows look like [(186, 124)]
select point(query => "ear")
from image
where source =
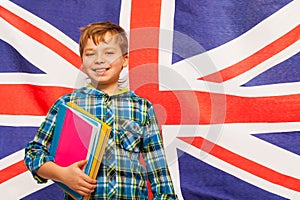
[(125, 60)]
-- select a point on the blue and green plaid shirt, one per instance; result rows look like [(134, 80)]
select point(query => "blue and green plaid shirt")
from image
[(135, 132)]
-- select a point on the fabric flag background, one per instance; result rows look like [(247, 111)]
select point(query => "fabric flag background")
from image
[(224, 77)]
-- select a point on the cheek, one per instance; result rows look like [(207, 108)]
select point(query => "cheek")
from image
[(111, 60), (116, 61), (86, 62)]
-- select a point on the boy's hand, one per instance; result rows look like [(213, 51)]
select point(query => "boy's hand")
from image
[(77, 180), (72, 176)]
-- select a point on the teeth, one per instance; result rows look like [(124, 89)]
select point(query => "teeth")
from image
[(100, 70)]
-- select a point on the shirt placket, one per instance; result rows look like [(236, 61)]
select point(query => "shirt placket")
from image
[(110, 151)]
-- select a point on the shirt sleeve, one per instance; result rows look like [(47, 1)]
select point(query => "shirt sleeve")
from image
[(154, 156), (37, 150)]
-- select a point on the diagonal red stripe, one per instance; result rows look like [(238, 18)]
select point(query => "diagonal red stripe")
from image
[(256, 58), (244, 163), (41, 36), (12, 171)]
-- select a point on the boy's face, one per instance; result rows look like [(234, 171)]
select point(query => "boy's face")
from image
[(103, 62)]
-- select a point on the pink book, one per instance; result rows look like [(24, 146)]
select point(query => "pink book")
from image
[(74, 140)]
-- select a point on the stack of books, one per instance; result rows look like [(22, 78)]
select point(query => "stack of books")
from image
[(78, 135)]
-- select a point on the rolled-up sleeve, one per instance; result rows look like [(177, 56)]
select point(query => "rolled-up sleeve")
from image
[(37, 150)]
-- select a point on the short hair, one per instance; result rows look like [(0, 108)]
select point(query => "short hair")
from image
[(97, 30)]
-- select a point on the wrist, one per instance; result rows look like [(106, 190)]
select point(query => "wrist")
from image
[(51, 171)]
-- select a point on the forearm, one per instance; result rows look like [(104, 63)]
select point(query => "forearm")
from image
[(50, 170)]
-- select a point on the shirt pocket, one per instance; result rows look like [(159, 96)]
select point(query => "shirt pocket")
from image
[(129, 135)]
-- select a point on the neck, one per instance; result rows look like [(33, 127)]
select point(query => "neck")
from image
[(110, 90)]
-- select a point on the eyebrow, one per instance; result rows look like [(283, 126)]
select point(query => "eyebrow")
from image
[(106, 48), (89, 49)]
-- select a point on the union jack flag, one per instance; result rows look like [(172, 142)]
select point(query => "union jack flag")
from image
[(224, 77)]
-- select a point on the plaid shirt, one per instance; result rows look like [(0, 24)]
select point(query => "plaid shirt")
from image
[(135, 133)]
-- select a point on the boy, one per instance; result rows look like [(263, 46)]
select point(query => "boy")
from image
[(104, 53)]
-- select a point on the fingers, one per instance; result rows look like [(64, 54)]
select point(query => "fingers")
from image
[(84, 191), (86, 178), (89, 180), (77, 180), (86, 186)]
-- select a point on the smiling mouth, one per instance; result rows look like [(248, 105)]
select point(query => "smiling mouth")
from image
[(102, 70)]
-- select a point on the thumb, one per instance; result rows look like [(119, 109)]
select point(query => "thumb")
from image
[(81, 163)]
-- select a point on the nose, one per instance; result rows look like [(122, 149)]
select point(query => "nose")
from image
[(99, 59)]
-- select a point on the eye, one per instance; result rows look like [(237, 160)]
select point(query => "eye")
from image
[(89, 54), (109, 52)]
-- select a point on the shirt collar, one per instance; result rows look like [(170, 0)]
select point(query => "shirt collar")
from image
[(89, 89)]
